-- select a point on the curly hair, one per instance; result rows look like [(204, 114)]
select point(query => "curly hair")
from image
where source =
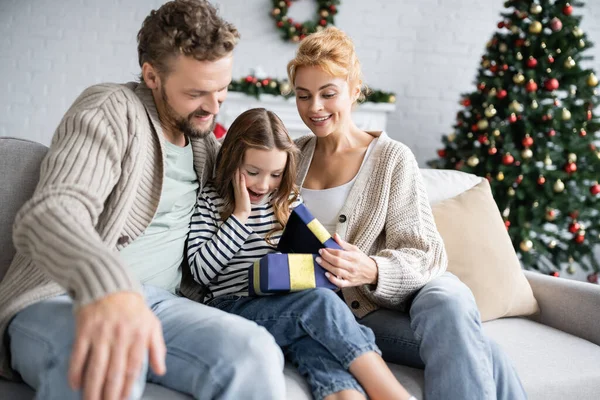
[(189, 27)]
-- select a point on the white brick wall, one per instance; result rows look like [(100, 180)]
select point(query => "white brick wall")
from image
[(426, 51)]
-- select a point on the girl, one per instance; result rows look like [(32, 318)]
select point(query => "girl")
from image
[(367, 187), (238, 219)]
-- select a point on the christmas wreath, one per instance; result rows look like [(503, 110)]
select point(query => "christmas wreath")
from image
[(296, 31)]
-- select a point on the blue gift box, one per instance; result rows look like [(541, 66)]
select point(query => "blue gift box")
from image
[(303, 233), (284, 273)]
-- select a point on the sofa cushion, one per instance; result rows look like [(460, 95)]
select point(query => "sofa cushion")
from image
[(481, 254), (442, 184), (20, 165), (552, 364)]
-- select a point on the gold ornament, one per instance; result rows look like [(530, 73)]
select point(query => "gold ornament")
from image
[(566, 114), (527, 154), (503, 47), (324, 13), (571, 269), (486, 63), (559, 186), (451, 137), (515, 106), (534, 104), (500, 176), (272, 84), (473, 161), (572, 157), (543, 45), (496, 132), (536, 204), (519, 78), (276, 11), (558, 51), (483, 124), (492, 93), (319, 28), (506, 212), (511, 192), (292, 29), (598, 155), (285, 88), (547, 161), (592, 80), (282, 4), (581, 43), (577, 32), (519, 56), (490, 111), (514, 29), (535, 27), (569, 63), (535, 9), (526, 245), (552, 244), (392, 98)]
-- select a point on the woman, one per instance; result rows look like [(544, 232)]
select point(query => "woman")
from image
[(366, 188)]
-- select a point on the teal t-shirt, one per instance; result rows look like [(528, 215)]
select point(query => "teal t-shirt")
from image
[(155, 257)]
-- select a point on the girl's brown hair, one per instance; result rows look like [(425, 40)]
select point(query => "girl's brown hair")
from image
[(260, 129)]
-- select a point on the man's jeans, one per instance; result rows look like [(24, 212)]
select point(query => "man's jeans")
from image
[(210, 354), (443, 334)]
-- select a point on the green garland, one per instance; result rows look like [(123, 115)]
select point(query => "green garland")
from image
[(252, 86), (296, 31)]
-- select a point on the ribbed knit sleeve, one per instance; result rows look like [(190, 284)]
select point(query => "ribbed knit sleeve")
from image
[(56, 227), (413, 253)]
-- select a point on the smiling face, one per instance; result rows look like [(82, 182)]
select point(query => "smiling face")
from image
[(324, 102), (263, 171), (189, 96)]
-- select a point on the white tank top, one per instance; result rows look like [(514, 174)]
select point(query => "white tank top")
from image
[(326, 204)]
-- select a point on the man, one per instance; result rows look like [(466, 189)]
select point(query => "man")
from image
[(89, 306)]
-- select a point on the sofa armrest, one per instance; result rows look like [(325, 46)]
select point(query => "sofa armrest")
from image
[(567, 305)]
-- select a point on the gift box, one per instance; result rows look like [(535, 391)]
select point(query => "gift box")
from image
[(303, 233), (284, 273)]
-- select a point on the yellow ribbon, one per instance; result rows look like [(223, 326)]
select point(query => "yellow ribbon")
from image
[(319, 230), (257, 278), (302, 272)]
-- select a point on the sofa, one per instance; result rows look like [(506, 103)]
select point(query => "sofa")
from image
[(556, 351)]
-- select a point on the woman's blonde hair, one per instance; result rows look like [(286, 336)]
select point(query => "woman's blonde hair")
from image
[(261, 129), (333, 51)]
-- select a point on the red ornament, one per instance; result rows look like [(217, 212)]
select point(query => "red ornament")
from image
[(492, 151), (481, 86), (567, 9), (474, 128), (494, 69), (507, 224), (574, 214), (298, 26), (332, 8), (508, 159), (551, 214), (551, 84), (280, 24), (593, 277), (442, 153), (532, 62), (555, 274), (288, 3), (249, 79), (589, 115), (504, 67), (571, 167), (531, 86), (482, 139), (459, 165), (551, 133), (574, 227), (519, 42), (556, 24), (527, 141), (322, 22), (595, 189), (302, 36), (579, 239), (550, 59), (541, 180), (265, 82), (501, 24), (502, 94), (519, 179), (512, 119), (582, 132), (466, 102), (219, 131)]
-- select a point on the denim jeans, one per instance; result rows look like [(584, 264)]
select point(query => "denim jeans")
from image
[(316, 330), (443, 334), (210, 354)]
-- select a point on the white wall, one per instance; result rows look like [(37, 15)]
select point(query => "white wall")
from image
[(426, 51)]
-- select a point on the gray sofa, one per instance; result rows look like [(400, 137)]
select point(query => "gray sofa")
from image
[(556, 353)]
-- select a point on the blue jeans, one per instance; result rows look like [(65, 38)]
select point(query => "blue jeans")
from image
[(316, 330), (210, 354), (443, 334)]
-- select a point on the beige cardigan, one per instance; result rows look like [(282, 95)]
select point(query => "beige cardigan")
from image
[(99, 188), (387, 215)]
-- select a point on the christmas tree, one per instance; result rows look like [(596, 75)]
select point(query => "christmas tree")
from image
[(530, 129)]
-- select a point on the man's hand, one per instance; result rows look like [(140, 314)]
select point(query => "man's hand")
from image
[(113, 336)]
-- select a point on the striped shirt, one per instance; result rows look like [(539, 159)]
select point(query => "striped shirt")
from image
[(220, 252)]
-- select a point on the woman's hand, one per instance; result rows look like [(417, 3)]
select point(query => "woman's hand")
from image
[(242, 198), (348, 267)]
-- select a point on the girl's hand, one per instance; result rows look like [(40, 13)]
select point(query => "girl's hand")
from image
[(242, 199), (348, 267)]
